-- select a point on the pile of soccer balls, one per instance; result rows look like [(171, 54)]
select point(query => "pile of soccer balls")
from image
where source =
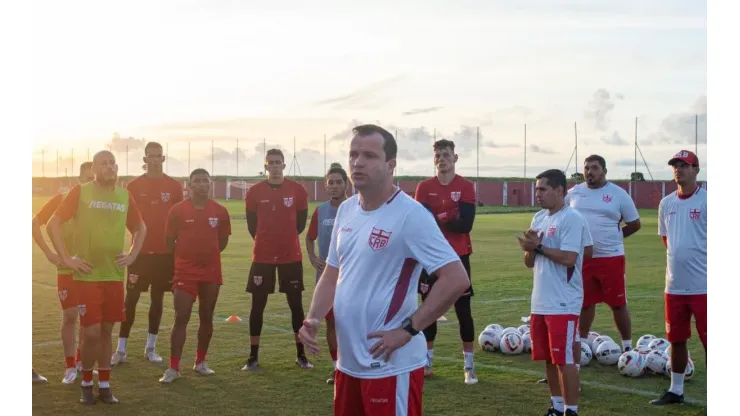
[(650, 356)]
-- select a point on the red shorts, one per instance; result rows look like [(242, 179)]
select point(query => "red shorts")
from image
[(678, 311), (330, 314), (66, 291), (100, 302), (191, 287), (553, 337), (397, 395), (604, 281)]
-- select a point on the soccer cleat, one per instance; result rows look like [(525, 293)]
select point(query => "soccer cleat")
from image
[(87, 397), (303, 362), (152, 356), (552, 412), (169, 376), (117, 358), (70, 375), (252, 365), (668, 398), (203, 369), (330, 380), (105, 396), (470, 377), (38, 378)]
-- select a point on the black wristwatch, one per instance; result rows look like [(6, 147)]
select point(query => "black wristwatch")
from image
[(538, 250), (408, 327)]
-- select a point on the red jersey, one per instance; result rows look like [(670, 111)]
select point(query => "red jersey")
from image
[(49, 209), (198, 233), (155, 197), (444, 200), (276, 207)]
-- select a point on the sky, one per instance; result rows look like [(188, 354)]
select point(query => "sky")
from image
[(115, 75)]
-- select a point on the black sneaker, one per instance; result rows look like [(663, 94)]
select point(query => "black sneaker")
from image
[(87, 397), (303, 362), (552, 412), (251, 365), (668, 398), (571, 413)]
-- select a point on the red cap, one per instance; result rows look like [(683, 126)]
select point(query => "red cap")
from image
[(686, 157)]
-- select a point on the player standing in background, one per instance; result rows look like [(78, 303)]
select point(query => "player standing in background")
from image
[(555, 246), (320, 228), (381, 240), (155, 193), (682, 222), (102, 211), (38, 378), (605, 205), (277, 209), (65, 283), (451, 199), (198, 230)]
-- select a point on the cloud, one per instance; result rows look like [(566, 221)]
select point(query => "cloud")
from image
[(537, 149), (368, 97), (614, 139), (119, 144), (683, 128), (421, 111), (599, 107)]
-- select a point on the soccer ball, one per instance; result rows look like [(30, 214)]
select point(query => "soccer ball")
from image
[(489, 340), (600, 340), (656, 361), (511, 343), (509, 329), (586, 354), (688, 374), (645, 340), (659, 344), (522, 329), (495, 328), (590, 340), (643, 349), (608, 353), (667, 353), (631, 364), (527, 341)]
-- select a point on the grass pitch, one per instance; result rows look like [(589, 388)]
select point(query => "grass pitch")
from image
[(507, 383)]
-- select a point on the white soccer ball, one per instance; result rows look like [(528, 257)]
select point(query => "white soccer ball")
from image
[(632, 364), (508, 330), (511, 343), (590, 339), (489, 340), (522, 329), (645, 340), (586, 354), (659, 344), (656, 361), (643, 349), (596, 343), (495, 328), (527, 341), (608, 353), (667, 352), (688, 374)]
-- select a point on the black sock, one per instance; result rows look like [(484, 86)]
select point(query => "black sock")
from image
[(299, 348), (254, 351)]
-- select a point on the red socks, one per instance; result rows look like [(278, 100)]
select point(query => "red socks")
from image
[(175, 363), (70, 362), (103, 375), (200, 356), (87, 375)]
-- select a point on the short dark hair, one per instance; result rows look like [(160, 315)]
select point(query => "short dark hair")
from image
[(199, 171), (390, 147), (85, 166), (152, 145), (337, 168), (273, 152), (555, 178), (444, 144), (596, 158)]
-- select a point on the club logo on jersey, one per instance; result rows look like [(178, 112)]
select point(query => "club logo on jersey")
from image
[(378, 239), (257, 280), (63, 295), (551, 231), (694, 214), (607, 198), (288, 201), (133, 278), (83, 310), (455, 196), (424, 288), (165, 196), (213, 221)]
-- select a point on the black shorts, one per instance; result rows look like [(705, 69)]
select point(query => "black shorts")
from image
[(156, 270), (262, 277), (426, 282)]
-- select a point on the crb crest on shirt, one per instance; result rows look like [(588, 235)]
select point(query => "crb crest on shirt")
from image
[(288, 201), (213, 221), (378, 239), (166, 196), (455, 196)]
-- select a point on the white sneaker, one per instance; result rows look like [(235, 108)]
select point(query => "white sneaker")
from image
[(169, 376), (38, 378), (152, 356), (470, 376), (203, 369), (70, 375), (117, 358)]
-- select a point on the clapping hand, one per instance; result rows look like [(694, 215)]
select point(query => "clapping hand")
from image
[(532, 239)]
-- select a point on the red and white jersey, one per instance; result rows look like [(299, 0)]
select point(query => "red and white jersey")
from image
[(380, 255), (558, 290), (604, 209), (684, 223)]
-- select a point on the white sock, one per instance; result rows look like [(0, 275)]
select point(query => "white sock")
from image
[(626, 343), (122, 345), (573, 408), (430, 356), (86, 383), (104, 384), (558, 403), (676, 383), (151, 339), (578, 367), (468, 359)]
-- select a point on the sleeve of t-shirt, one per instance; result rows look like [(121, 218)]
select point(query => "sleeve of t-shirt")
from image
[(662, 230), (133, 216), (425, 243), (628, 209), (170, 229), (313, 227), (302, 202), (571, 234), (48, 209), (224, 229), (68, 208), (468, 193), (419, 194), (333, 257)]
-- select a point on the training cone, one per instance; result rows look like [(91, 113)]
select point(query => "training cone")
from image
[(233, 318), (442, 319)]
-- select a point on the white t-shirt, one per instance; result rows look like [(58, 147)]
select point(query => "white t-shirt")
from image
[(684, 223), (604, 209), (380, 255), (558, 290)]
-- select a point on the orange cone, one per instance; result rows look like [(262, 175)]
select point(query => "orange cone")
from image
[(233, 318)]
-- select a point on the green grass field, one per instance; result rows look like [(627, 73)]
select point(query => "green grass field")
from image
[(507, 384)]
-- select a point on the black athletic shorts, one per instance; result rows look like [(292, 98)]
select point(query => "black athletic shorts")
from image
[(156, 270), (262, 277), (426, 282)]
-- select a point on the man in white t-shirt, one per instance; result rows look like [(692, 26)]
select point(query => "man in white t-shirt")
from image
[(605, 206), (682, 222), (555, 246), (380, 242)]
